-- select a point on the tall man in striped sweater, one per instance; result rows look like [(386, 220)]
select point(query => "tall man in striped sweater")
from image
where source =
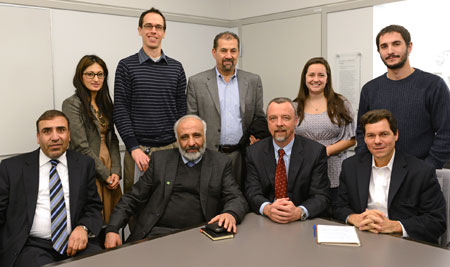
[(149, 97), (419, 100)]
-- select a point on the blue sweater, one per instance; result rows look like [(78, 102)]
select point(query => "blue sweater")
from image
[(421, 105), (149, 97)]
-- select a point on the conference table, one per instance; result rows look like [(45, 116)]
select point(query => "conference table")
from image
[(261, 242)]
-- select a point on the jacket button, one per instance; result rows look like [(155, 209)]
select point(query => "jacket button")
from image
[(218, 130)]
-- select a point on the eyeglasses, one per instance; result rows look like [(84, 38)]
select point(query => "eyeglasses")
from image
[(157, 27), (91, 75)]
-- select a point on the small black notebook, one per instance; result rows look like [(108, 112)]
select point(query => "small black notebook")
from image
[(216, 236)]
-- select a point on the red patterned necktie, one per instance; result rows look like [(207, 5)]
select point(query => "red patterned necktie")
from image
[(280, 177)]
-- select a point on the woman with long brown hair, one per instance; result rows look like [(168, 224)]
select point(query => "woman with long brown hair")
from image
[(325, 116), (92, 133)]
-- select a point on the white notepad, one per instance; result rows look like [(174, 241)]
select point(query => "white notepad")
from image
[(337, 235)]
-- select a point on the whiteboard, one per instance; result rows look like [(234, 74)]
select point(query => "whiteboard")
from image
[(25, 75)]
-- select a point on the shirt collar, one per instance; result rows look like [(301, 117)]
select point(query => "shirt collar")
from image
[(287, 148), (195, 161), (144, 57), (220, 75), (44, 159), (389, 165)]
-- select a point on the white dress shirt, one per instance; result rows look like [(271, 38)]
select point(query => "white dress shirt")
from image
[(380, 180), (42, 223)]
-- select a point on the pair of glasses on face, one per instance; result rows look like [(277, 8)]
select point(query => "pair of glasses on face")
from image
[(157, 27), (91, 75)]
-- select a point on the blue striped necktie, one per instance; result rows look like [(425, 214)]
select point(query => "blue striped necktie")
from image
[(58, 211)]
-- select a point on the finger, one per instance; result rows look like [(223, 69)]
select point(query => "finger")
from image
[(221, 221), (215, 219), (234, 228)]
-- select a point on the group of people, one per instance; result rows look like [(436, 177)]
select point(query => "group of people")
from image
[(187, 143)]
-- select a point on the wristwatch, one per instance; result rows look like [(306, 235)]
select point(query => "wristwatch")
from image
[(84, 227), (303, 217)]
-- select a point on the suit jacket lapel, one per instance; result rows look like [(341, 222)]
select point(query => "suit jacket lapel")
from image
[(363, 173), (31, 183), (243, 88), (213, 89), (398, 174), (74, 168), (269, 161), (297, 157), (169, 176), (205, 176)]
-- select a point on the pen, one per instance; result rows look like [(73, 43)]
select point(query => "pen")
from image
[(314, 230)]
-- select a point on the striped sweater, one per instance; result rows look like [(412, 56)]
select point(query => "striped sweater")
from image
[(148, 99)]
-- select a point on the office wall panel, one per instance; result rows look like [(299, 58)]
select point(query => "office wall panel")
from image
[(277, 51), (25, 75)]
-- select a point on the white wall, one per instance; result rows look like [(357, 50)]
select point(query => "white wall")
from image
[(25, 90), (277, 51), (351, 32), (251, 8)]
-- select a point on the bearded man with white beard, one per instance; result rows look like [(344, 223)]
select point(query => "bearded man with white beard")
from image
[(182, 187)]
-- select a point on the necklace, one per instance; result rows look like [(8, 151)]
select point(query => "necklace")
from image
[(316, 108), (99, 117)]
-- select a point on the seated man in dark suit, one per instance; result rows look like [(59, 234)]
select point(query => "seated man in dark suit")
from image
[(287, 176), (387, 191), (48, 200), (182, 187)]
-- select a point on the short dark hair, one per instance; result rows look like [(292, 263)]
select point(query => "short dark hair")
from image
[(152, 10), (281, 100), (50, 114), (227, 36), (377, 115), (394, 28)]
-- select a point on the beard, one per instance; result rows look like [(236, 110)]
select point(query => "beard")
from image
[(280, 138), (398, 65), (192, 156), (227, 67)]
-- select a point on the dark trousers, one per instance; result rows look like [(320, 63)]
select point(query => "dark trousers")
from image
[(38, 252)]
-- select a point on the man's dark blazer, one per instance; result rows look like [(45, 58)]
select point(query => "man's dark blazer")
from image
[(308, 182), (415, 197), (148, 198), (19, 184)]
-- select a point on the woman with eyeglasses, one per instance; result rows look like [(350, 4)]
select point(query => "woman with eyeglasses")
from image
[(90, 112), (325, 116)]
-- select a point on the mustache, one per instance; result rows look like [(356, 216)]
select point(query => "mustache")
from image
[(392, 56)]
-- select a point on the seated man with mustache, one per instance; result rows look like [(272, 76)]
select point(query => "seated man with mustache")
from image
[(182, 187), (287, 177)]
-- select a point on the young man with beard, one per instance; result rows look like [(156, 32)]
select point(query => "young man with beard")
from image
[(419, 100), (287, 177), (182, 187)]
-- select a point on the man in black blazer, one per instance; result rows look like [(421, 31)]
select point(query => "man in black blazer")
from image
[(181, 188), (25, 199), (306, 193), (387, 191)]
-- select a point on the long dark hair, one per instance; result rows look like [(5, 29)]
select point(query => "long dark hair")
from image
[(102, 99), (337, 112)]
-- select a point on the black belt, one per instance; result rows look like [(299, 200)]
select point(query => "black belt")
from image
[(228, 148)]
